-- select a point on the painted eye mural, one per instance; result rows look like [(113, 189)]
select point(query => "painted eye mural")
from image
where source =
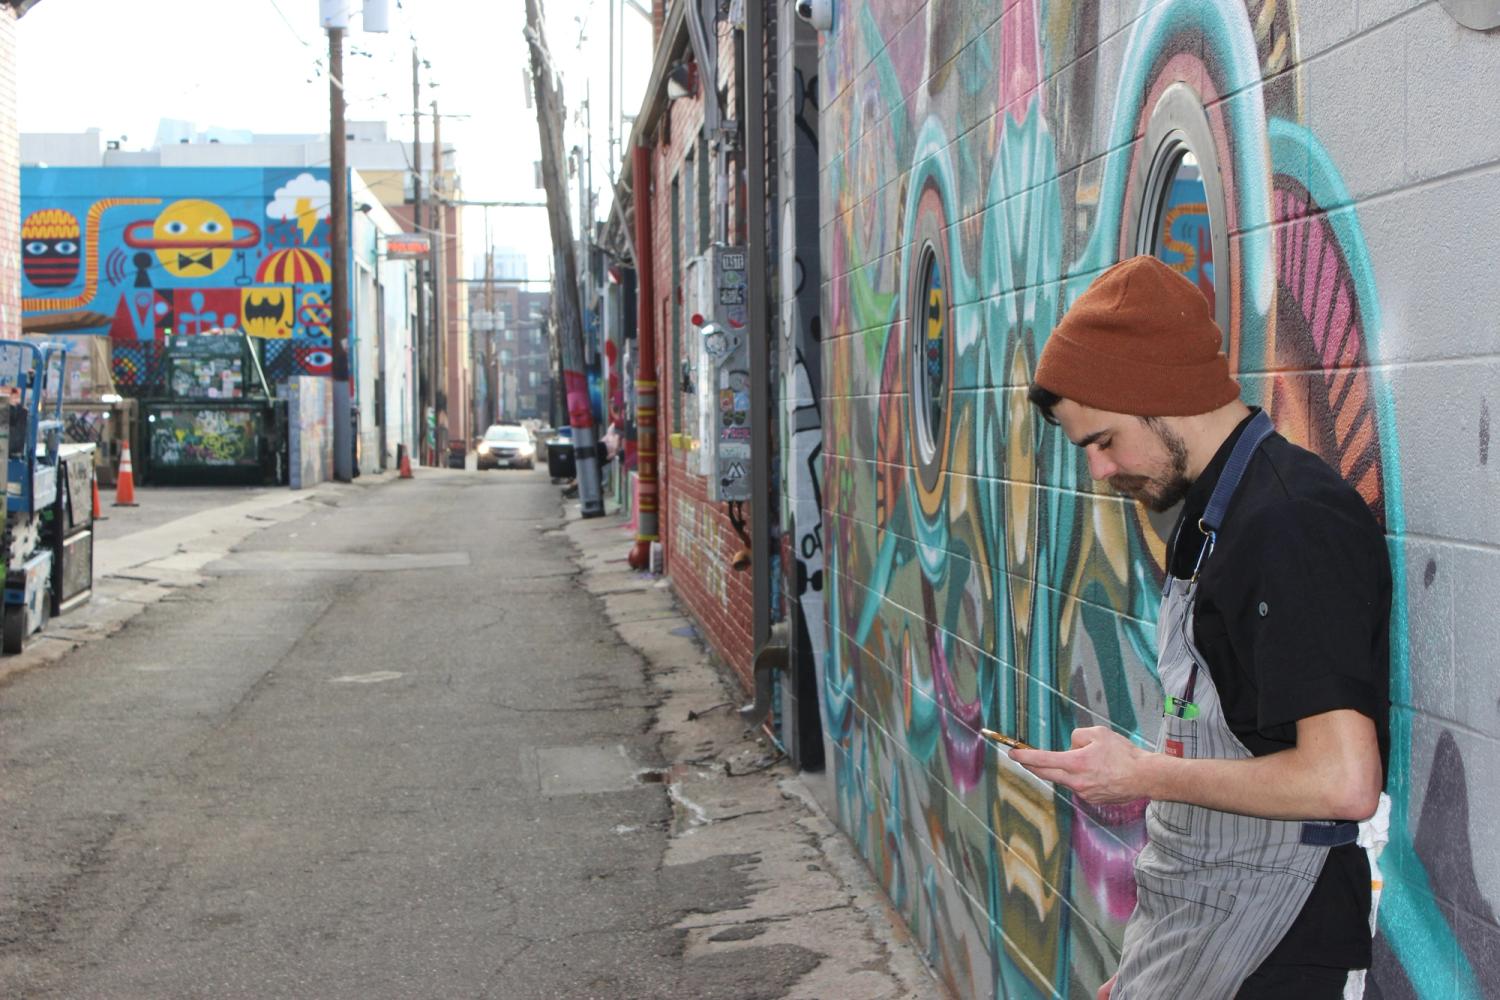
[(314, 360), (49, 248)]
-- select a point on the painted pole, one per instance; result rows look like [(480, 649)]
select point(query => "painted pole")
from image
[(646, 523), (549, 120), (423, 381)]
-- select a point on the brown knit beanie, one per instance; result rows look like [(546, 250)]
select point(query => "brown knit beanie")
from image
[(1140, 341)]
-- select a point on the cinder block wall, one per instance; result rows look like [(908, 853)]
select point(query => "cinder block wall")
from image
[(10, 182), (978, 578)]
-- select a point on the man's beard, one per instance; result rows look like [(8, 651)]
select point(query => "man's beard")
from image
[(1164, 491)]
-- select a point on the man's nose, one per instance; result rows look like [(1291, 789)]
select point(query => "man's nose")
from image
[(1100, 467)]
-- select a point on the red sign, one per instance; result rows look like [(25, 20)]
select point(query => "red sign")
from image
[(407, 246)]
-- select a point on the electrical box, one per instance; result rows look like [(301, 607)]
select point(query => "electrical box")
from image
[(724, 375)]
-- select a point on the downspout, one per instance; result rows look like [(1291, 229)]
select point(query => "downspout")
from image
[(645, 368), (757, 256)]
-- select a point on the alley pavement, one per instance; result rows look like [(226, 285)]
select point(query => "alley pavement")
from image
[(425, 738)]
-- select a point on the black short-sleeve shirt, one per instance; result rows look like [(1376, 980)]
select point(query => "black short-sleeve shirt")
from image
[(1292, 618)]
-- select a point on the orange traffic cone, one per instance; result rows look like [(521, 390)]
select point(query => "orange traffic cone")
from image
[(405, 465), (125, 489), (98, 515)]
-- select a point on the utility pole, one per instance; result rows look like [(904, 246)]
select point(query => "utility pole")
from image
[(549, 120), (440, 305), (609, 158), (491, 371), (423, 380), (338, 249)]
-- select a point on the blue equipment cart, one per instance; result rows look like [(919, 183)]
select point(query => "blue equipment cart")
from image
[(29, 374)]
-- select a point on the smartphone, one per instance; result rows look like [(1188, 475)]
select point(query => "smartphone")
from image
[(1003, 740)]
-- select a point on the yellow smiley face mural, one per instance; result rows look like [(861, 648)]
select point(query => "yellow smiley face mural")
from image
[(193, 238)]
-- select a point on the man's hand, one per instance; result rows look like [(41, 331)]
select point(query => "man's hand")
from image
[(1103, 993), (1101, 767)]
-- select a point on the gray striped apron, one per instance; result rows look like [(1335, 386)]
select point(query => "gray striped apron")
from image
[(1215, 891)]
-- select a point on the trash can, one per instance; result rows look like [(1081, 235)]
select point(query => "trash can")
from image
[(560, 463), (457, 453)]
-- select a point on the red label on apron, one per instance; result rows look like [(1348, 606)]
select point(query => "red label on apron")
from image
[(1174, 748)]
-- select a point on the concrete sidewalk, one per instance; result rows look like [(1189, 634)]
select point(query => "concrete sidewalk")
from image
[(142, 554), (733, 793)]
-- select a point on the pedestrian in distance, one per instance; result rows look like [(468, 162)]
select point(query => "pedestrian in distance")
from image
[(1273, 653)]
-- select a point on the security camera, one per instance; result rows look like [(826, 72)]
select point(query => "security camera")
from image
[(818, 13)]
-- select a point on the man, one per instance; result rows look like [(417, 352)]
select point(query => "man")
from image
[(1273, 657)]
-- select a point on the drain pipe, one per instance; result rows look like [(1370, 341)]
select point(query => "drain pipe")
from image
[(774, 657), (646, 530), (758, 255)]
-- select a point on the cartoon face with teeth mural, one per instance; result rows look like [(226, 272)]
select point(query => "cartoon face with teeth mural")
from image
[(50, 244)]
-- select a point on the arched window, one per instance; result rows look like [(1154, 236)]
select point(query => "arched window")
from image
[(930, 333), (1181, 215)]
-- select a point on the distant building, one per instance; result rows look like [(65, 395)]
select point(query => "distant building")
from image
[(135, 254), (510, 331), (383, 163), (10, 181)]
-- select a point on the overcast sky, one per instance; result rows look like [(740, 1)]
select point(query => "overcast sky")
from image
[(260, 65)]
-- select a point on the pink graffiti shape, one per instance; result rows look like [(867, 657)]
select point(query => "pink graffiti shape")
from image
[(1106, 840), (1020, 59), (963, 742), (577, 388)]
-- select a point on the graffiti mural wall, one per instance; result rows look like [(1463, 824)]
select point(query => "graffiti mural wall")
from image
[(136, 254), (1316, 169)]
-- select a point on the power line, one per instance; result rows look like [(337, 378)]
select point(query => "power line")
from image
[(289, 25)]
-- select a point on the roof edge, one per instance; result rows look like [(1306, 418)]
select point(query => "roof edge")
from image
[(674, 38)]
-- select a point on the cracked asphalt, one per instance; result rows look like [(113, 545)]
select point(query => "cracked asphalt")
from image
[(390, 744)]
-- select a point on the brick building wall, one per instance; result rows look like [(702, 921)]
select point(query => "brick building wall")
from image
[(10, 182), (698, 539)]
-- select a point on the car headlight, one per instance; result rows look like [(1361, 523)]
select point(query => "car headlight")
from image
[(527, 450), (484, 448)]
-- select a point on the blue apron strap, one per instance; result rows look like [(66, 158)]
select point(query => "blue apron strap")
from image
[(1329, 834), (1259, 428)]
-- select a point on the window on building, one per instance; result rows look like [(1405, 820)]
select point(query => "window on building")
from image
[(1184, 234), (930, 327), (1181, 216), (690, 203), (705, 199)]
